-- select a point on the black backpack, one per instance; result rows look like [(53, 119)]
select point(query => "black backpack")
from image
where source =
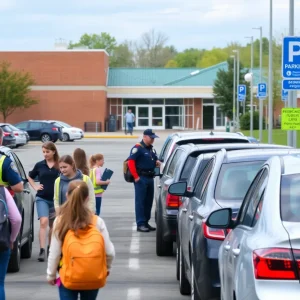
[(127, 174), (5, 229)]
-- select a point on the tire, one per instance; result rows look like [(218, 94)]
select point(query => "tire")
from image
[(15, 257), (194, 292), (66, 137), (45, 137), (184, 285), (26, 250), (163, 248)]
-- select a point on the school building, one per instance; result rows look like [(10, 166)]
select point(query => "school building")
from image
[(78, 87)]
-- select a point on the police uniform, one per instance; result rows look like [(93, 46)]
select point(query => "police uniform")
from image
[(9, 174), (144, 159)]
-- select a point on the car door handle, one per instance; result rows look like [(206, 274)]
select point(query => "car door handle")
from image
[(26, 191), (184, 210), (227, 247), (191, 217), (236, 251)]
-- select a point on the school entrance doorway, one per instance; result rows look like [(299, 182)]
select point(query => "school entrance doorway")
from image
[(208, 116)]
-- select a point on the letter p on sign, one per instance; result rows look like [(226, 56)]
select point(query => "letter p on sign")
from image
[(294, 50), (241, 89)]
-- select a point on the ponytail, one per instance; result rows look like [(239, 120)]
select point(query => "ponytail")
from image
[(94, 158)]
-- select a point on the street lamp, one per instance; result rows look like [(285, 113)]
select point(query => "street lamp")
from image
[(237, 84), (260, 102), (249, 78), (270, 114), (251, 94), (233, 98)]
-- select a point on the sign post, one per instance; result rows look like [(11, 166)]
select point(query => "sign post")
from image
[(242, 92), (262, 91)]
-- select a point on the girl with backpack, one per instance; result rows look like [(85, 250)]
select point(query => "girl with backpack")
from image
[(80, 246), (10, 224), (68, 174), (96, 162), (46, 171)]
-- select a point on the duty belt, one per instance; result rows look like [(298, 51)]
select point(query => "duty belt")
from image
[(146, 173)]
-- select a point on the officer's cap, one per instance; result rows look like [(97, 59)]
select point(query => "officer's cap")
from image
[(150, 133)]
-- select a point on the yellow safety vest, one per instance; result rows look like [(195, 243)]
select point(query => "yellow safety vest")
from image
[(2, 183), (57, 184), (97, 188)]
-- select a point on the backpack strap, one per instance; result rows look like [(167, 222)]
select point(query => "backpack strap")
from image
[(85, 178), (2, 193), (56, 192)]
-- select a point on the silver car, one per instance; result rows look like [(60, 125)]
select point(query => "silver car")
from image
[(260, 257)]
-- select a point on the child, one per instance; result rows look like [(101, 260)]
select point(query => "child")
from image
[(96, 162)]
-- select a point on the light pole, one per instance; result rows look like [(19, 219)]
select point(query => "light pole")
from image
[(270, 114), (260, 101), (233, 92), (249, 78), (237, 84)]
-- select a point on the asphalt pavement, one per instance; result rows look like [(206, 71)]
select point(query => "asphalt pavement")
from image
[(137, 272)]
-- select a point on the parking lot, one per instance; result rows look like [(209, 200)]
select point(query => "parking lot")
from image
[(137, 272)]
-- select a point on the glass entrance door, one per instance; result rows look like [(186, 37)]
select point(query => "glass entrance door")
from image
[(157, 117)]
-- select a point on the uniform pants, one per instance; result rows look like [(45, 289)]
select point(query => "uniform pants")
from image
[(144, 193)]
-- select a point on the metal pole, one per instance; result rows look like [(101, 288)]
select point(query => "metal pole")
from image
[(251, 91), (237, 84), (234, 87), (270, 121), (260, 101)]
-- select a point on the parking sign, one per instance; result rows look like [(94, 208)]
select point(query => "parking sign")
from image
[(242, 92), (284, 95), (291, 57), (262, 90)]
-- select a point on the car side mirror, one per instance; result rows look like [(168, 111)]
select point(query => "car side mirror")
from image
[(221, 218), (178, 189)]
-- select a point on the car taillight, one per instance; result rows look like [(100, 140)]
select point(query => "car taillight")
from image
[(6, 133), (213, 233), (276, 264), (54, 128), (173, 201), (16, 134)]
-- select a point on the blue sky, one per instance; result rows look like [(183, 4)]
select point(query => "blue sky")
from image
[(35, 24)]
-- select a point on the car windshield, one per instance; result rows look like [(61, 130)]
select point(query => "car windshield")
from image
[(64, 124), (290, 198), (235, 178), (14, 127)]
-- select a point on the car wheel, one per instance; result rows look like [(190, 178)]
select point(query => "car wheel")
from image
[(15, 257), (45, 138), (163, 248), (184, 285), (27, 247), (66, 137), (194, 293)]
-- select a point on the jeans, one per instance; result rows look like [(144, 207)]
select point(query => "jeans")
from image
[(45, 208), (98, 205), (66, 294), (130, 127), (144, 193), (4, 260)]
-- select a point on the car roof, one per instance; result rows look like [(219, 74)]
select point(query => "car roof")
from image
[(291, 164), (256, 154), (207, 134), (5, 150)]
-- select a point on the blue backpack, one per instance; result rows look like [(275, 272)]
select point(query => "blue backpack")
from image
[(4, 222)]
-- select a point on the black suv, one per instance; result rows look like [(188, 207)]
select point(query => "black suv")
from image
[(41, 130), (25, 204)]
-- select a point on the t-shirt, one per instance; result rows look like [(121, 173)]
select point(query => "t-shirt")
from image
[(10, 172), (98, 176), (129, 117)]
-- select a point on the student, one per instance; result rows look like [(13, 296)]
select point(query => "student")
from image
[(80, 159), (15, 220), (46, 171), (73, 223), (68, 174), (96, 162)]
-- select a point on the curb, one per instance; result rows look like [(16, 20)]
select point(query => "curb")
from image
[(110, 137)]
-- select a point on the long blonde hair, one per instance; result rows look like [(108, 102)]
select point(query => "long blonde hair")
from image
[(74, 214)]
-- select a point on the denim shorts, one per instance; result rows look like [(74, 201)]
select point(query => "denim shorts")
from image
[(45, 208)]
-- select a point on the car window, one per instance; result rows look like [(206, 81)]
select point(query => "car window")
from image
[(188, 167), (172, 166), (35, 125), (163, 150), (6, 128), (19, 166), (22, 125), (198, 172), (253, 199), (258, 210), (235, 178), (290, 198)]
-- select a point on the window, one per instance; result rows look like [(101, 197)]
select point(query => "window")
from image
[(35, 125), (143, 101), (290, 198), (173, 163), (16, 160), (258, 210), (22, 126), (198, 172), (235, 178), (164, 148), (188, 167), (174, 101), (6, 128), (220, 117)]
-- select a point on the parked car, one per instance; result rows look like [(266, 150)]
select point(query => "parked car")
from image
[(178, 168), (20, 135), (223, 183), (260, 257), (9, 140), (41, 130), (25, 203), (69, 133)]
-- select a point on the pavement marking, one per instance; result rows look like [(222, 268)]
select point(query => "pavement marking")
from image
[(134, 294), (135, 241), (134, 264)]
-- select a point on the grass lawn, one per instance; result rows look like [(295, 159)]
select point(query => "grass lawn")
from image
[(279, 136)]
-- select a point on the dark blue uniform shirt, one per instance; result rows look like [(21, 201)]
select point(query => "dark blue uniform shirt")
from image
[(144, 156), (10, 172)]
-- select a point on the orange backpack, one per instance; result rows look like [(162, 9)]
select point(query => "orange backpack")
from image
[(84, 259)]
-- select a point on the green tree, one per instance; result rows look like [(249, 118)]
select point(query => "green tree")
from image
[(223, 88), (171, 64), (212, 57), (123, 56), (189, 58), (14, 90)]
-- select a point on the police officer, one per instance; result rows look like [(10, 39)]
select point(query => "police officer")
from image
[(142, 162), (9, 175)]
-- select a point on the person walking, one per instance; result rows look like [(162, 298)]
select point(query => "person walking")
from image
[(47, 171), (96, 163), (69, 173), (8, 209), (80, 159), (88, 262), (129, 120), (141, 163)]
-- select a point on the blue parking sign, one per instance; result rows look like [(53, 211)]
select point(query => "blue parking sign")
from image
[(242, 92), (284, 95), (291, 57), (262, 90)]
